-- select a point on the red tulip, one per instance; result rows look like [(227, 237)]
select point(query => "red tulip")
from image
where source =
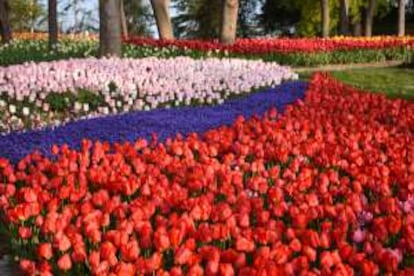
[(45, 251), (25, 232), (64, 263), (182, 256), (125, 269), (243, 244), (62, 242), (226, 270)]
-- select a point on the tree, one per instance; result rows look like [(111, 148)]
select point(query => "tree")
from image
[(401, 17), (139, 17), (110, 27), (162, 17), (5, 28), (202, 18), (229, 21), (344, 17), (53, 23), (325, 18), (82, 16), (369, 17), (197, 19), (279, 16), (247, 20), (124, 25), (26, 15)]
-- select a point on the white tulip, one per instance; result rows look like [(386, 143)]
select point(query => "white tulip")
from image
[(78, 106), (26, 111), (12, 109)]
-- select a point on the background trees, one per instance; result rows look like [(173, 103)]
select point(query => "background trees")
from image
[(139, 17), (401, 17), (161, 10), (325, 17), (229, 13), (212, 19), (110, 27), (52, 23), (5, 28)]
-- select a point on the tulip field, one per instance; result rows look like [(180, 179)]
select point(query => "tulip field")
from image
[(292, 52), (55, 92), (187, 159)]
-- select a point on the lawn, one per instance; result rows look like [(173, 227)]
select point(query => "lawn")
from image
[(395, 81)]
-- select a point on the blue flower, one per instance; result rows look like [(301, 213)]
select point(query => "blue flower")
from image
[(141, 124)]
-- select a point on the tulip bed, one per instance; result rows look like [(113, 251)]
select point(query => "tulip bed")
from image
[(324, 189), (49, 93), (142, 124), (265, 46), (294, 52), (25, 50)]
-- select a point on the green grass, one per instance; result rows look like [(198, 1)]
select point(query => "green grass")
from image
[(395, 81)]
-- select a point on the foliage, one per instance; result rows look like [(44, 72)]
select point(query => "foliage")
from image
[(25, 14), (83, 16), (310, 20), (139, 17), (202, 18), (197, 18), (277, 16), (247, 25)]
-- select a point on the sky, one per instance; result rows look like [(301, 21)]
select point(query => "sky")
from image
[(68, 20)]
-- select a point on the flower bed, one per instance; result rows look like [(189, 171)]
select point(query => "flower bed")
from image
[(281, 45), (45, 36), (142, 124), (325, 188), (24, 50), (35, 95), (295, 52)]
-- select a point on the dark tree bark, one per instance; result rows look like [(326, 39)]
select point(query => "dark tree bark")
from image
[(228, 30), (325, 18), (162, 17), (110, 28), (370, 17), (5, 28), (401, 17), (344, 17), (53, 23)]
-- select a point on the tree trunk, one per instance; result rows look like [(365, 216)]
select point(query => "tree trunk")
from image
[(124, 24), (228, 30), (357, 28), (162, 17), (401, 17), (110, 28), (370, 17), (344, 17), (325, 18), (5, 29), (53, 23)]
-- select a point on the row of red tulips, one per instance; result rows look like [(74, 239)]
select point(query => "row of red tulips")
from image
[(325, 189), (282, 45)]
